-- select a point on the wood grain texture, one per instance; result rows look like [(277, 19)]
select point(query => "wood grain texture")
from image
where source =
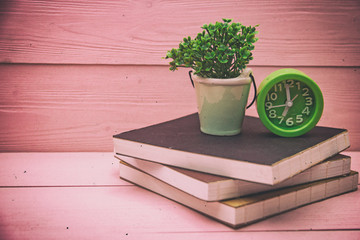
[(58, 108), (79, 107), (130, 212), (133, 212), (39, 169), (59, 169), (109, 75), (292, 33)]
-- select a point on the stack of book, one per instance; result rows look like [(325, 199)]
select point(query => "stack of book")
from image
[(236, 180)]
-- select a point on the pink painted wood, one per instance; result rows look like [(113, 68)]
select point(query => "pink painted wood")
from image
[(68, 211), (292, 33), (99, 68), (73, 169), (59, 169), (79, 108), (88, 213), (76, 72)]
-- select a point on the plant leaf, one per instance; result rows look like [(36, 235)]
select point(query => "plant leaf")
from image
[(210, 55)]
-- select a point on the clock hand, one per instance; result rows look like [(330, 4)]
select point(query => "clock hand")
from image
[(288, 105), (285, 111), (294, 97), (287, 87), (282, 105)]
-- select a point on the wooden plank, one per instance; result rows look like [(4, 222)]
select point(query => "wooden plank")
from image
[(292, 33), (59, 169), (83, 213), (66, 108), (131, 212), (63, 108), (211, 235), (73, 169)]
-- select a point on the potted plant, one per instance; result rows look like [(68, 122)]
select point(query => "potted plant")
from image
[(218, 57)]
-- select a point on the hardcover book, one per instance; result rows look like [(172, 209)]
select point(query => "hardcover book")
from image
[(241, 211), (255, 155), (210, 187)]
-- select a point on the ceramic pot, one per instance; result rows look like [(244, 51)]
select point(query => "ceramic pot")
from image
[(222, 103)]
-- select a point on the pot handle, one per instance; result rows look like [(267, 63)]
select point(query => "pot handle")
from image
[(255, 92), (252, 79), (192, 82)]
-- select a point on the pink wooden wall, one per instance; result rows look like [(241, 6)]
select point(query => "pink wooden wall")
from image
[(73, 73)]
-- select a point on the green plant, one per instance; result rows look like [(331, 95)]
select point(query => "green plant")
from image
[(221, 50)]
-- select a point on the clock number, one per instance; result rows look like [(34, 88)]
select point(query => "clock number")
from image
[(281, 119), (298, 85), (289, 122), (299, 118), (271, 96), (290, 82), (272, 113), (309, 101), (306, 92), (278, 87), (268, 105), (306, 111)]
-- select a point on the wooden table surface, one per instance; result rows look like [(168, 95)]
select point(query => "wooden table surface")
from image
[(80, 196)]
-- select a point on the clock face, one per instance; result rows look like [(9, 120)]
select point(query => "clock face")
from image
[(289, 104)]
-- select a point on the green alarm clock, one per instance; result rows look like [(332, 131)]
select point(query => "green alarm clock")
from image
[(289, 102)]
